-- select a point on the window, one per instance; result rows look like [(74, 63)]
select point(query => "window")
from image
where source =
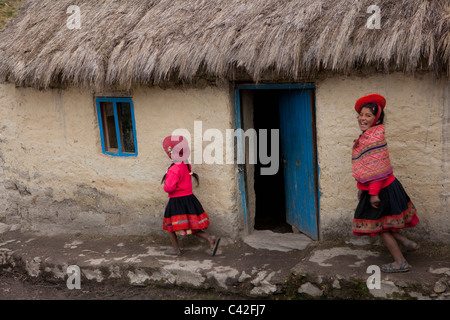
[(117, 127)]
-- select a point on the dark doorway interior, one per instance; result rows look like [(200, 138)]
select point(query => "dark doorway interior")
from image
[(270, 210)]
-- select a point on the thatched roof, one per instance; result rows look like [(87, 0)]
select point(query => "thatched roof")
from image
[(137, 42)]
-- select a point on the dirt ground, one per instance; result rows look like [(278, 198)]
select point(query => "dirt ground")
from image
[(15, 286), (18, 285), (292, 269)]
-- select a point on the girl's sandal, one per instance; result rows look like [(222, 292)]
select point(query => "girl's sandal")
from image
[(172, 252), (411, 247), (215, 246), (390, 268)]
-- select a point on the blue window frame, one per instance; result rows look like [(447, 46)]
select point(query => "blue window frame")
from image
[(117, 126)]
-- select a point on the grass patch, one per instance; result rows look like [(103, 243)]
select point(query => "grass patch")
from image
[(8, 10)]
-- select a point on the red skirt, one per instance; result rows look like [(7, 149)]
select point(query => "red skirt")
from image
[(396, 211), (185, 215)]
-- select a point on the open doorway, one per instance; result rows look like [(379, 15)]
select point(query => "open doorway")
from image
[(286, 200), (270, 208)]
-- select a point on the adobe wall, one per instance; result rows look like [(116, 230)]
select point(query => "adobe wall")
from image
[(54, 177)]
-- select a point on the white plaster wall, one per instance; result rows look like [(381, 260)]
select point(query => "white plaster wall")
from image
[(55, 178)]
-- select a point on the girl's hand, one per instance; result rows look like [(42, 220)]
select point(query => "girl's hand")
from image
[(375, 201)]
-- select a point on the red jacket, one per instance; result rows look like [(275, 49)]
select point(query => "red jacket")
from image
[(375, 187), (178, 181)]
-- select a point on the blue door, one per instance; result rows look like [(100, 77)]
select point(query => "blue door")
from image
[(298, 159)]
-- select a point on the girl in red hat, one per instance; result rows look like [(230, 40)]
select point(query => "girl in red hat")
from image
[(184, 214), (384, 207)]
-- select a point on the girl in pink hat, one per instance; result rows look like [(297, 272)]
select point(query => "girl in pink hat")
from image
[(384, 207), (184, 214)]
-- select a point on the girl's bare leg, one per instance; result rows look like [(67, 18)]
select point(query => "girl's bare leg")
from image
[(408, 244), (211, 239), (392, 245), (213, 242), (175, 248)]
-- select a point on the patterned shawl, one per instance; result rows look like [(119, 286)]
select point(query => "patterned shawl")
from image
[(370, 156)]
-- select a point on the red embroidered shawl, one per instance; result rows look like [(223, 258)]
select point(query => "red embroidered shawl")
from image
[(370, 156)]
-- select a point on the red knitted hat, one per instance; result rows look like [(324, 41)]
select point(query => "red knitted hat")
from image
[(370, 98), (176, 147)]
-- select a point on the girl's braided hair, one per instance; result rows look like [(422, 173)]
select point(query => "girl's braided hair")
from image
[(190, 172)]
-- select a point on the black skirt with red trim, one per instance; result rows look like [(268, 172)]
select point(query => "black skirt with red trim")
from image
[(185, 215), (396, 211)]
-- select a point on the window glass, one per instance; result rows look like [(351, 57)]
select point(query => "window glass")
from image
[(116, 122), (126, 126)]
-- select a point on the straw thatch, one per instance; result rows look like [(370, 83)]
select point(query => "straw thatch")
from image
[(124, 43)]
